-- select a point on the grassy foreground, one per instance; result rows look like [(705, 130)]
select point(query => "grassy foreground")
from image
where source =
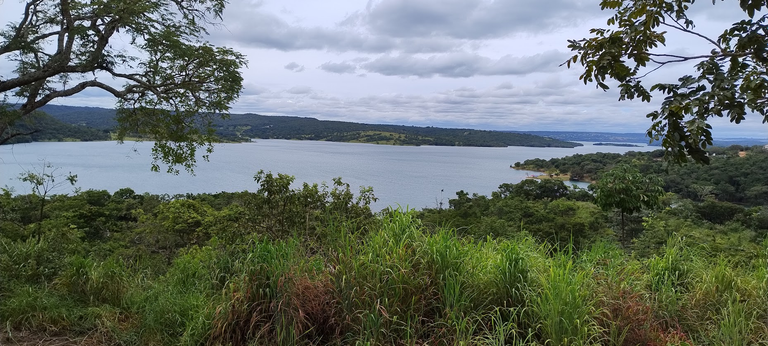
[(391, 283)]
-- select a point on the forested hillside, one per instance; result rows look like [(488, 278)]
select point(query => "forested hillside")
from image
[(98, 118), (42, 127), (258, 126), (241, 127), (735, 174)]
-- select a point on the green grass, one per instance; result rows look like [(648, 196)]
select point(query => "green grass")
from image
[(564, 306), (395, 283)]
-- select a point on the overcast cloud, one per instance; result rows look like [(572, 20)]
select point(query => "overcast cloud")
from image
[(339, 67), (472, 19), (459, 63), (464, 65), (293, 66)]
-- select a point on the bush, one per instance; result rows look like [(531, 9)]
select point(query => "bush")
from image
[(37, 259)]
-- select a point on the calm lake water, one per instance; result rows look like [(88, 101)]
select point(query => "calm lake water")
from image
[(416, 177)]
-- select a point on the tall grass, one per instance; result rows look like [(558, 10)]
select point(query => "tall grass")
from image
[(503, 327), (714, 289), (669, 279), (393, 283), (178, 306), (625, 317), (564, 306), (30, 307), (37, 259), (96, 282), (381, 286), (513, 276), (255, 304), (735, 324), (460, 274)]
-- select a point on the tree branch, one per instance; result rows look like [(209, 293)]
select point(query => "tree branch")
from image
[(681, 58), (20, 29), (652, 70), (684, 29), (30, 106), (136, 78), (4, 140)]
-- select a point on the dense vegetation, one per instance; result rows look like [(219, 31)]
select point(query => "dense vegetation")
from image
[(41, 127), (735, 174), (239, 127), (534, 263)]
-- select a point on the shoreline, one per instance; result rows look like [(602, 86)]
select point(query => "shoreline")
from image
[(137, 139), (544, 176)]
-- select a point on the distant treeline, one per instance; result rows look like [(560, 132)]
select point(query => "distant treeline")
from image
[(593, 136), (632, 138), (241, 127), (280, 127), (628, 145)]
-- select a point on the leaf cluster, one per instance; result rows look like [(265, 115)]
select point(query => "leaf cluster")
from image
[(175, 83), (628, 190), (729, 80)]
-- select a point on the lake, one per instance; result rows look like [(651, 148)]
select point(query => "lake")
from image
[(416, 177)]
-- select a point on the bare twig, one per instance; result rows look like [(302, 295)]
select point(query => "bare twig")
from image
[(682, 28)]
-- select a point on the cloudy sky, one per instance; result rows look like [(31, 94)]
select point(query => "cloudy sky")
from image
[(454, 63)]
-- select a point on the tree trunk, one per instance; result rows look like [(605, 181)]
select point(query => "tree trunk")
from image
[(623, 234)]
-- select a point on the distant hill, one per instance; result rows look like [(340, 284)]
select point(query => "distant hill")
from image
[(626, 145), (98, 118), (46, 128), (284, 127), (633, 138), (726, 142), (245, 126), (593, 136)]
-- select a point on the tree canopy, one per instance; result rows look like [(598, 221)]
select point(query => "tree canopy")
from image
[(730, 79), (174, 83), (626, 189)]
